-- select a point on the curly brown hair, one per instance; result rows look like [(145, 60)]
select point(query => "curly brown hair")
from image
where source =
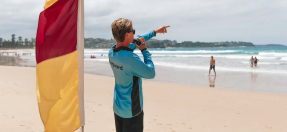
[(120, 27)]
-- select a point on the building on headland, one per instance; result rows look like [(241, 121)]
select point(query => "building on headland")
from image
[(13, 40), (1, 41)]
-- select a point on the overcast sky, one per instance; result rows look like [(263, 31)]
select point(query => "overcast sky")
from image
[(256, 21)]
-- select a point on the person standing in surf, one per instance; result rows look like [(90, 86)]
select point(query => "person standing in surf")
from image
[(255, 61), (251, 61), (212, 65)]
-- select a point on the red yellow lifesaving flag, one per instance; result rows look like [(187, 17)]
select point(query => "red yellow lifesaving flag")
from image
[(60, 65)]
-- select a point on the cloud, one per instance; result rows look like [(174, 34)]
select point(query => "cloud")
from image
[(257, 21)]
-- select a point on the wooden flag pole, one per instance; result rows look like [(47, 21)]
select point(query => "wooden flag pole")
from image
[(83, 129), (80, 49)]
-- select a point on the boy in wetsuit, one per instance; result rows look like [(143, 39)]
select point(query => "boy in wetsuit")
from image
[(212, 65)]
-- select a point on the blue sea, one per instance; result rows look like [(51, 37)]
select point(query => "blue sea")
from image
[(190, 66)]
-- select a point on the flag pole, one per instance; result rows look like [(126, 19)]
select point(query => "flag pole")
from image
[(80, 49), (83, 129)]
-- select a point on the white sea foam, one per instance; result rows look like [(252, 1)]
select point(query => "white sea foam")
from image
[(178, 55), (104, 60), (263, 63), (272, 54), (185, 52), (198, 67), (97, 55), (96, 51), (246, 57)]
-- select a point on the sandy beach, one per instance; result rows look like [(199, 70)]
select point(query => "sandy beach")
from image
[(168, 107)]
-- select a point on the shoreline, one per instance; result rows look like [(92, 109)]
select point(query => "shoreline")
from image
[(160, 78), (268, 77), (161, 81), (246, 81)]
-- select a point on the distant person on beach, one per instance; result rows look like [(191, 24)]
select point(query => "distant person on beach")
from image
[(212, 65), (128, 71), (251, 61), (255, 61)]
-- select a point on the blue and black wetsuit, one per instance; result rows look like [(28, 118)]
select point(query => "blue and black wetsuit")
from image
[(129, 70)]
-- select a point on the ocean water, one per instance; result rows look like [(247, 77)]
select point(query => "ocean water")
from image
[(190, 66), (272, 59)]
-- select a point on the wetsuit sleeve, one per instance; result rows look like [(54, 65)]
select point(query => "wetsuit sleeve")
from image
[(142, 69), (146, 36)]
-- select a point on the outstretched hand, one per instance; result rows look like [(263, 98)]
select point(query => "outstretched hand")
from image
[(161, 29)]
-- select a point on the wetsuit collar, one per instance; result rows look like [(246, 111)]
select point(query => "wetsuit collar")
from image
[(121, 48)]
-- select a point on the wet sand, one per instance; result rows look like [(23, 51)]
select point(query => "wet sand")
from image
[(250, 81)]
